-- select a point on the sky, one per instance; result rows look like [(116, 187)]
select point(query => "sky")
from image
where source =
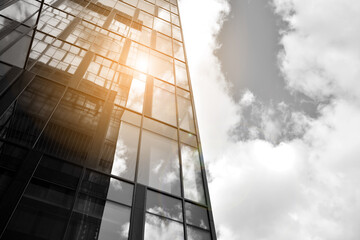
[(276, 85)]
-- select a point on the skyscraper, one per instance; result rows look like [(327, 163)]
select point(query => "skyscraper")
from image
[(98, 134)]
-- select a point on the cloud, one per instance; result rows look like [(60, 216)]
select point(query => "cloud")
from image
[(286, 175)]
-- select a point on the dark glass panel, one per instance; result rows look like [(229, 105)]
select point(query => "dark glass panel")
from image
[(58, 171), (6, 178), (4, 68), (68, 134), (98, 219), (163, 205), (102, 186), (11, 156), (25, 119), (162, 228), (95, 184), (42, 212), (49, 193), (197, 234), (196, 215), (86, 218), (17, 52), (109, 146)]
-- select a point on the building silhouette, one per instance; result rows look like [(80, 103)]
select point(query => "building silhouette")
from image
[(98, 134)]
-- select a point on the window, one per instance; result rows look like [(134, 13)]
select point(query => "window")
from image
[(192, 176), (126, 151), (159, 163)]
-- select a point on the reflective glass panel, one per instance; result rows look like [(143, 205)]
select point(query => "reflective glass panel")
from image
[(197, 234), (176, 33), (162, 228), (159, 163), (115, 222), (196, 215), (21, 10), (162, 13), (163, 102), (163, 44), (161, 66), (188, 138), (136, 95), (192, 177), (120, 191), (178, 50), (16, 54), (186, 119), (163, 205), (95, 218), (162, 26), (126, 151), (160, 128), (181, 75)]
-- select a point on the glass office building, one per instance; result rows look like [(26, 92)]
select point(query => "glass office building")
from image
[(98, 134)]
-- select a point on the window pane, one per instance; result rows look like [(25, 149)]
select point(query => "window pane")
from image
[(197, 234), (162, 13), (16, 54), (25, 119), (163, 102), (196, 215), (20, 10), (163, 44), (102, 186), (176, 33), (69, 132), (120, 191), (181, 75), (136, 95), (126, 151), (161, 228), (163, 205), (178, 50), (186, 120), (58, 171), (146, 19), (36, 219), (188, 138), (161, 66), (160, 128), (192, 177), (86, 218), (98, 219), (162, 26), (159, 163), (115, 222)]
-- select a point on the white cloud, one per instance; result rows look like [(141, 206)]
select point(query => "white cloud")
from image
[(305, 188)]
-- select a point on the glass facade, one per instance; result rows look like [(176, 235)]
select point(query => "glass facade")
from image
[(98, 134)]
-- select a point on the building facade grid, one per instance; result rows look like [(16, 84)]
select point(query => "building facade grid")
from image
[(98, 131)]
